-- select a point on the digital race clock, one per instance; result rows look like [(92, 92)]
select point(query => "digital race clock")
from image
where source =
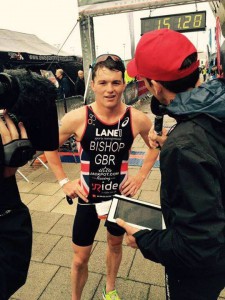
[(193, 21)]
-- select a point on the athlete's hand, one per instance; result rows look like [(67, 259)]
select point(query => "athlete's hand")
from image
[(8, 133), (131, 185), (156, 140), (73, 189), (130, 239)]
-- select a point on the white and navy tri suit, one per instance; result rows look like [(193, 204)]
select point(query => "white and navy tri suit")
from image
[(104, 153)]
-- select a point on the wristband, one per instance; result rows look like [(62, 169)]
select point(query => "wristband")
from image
[(63, 181)]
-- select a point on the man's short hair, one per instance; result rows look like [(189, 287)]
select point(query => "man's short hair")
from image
[(160, 55)]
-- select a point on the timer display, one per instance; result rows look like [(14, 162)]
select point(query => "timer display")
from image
[(193, 21)]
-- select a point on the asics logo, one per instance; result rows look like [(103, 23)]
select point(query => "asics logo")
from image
[(125, 122)]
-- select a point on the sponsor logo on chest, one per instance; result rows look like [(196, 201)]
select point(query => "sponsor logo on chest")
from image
[(109, 132)]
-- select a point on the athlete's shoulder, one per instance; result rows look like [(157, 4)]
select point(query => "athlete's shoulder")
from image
[(138, 114), (75, 115), (140, 120)]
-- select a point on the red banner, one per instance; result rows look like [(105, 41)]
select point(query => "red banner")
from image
[(142, 90)]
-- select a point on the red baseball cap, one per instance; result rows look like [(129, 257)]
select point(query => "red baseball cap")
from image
[(160, 54)]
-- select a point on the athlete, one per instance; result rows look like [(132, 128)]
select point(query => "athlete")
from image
[(104, 131)]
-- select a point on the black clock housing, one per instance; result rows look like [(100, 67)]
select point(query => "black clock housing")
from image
[(192, 21)]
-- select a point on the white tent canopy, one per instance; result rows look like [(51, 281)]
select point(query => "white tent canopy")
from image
[(27, 43)]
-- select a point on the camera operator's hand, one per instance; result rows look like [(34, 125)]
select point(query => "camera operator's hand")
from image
[(8, 132)]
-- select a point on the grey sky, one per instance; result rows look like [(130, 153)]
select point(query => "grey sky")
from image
[(53, 20)]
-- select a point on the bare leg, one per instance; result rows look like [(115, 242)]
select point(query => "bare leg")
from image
[(79, 270), (113, 259)]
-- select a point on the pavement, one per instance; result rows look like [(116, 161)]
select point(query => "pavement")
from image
[(52, 219)]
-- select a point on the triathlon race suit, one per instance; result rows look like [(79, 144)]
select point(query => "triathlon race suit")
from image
[(104, 153)]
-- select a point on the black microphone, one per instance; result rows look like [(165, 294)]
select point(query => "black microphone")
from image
[(158, 124), (31, 99), (158, 110)]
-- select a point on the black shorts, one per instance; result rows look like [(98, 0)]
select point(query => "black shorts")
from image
[(86, 224)]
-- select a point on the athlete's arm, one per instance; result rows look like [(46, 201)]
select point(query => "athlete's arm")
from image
[(65, 131), (141, 125), (71, 123)]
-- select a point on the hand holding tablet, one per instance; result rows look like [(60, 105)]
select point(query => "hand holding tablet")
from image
[(130, 230)]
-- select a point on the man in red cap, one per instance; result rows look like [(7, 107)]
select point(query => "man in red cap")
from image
[(192, 164)]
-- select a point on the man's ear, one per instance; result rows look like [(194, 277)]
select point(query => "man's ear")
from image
[(125, 85), (157, 87), (92, 86)]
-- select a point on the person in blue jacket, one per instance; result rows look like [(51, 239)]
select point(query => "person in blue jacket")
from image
[(192, 165)]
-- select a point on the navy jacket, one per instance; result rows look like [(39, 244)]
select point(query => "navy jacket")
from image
[(64, 88)]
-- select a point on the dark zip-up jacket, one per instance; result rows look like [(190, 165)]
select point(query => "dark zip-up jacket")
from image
[(192, 164)]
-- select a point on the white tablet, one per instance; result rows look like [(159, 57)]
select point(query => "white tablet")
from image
[(140, 214)]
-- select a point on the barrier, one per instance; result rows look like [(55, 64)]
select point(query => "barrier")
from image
[(68, 104), (64, 106)]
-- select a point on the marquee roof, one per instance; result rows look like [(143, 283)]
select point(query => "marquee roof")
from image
[(27, 43)]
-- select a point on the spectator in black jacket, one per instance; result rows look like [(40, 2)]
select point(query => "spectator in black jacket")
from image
[(192, 164), (80, 84), (64, 85)]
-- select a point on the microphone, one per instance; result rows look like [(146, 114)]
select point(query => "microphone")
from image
[(158, 110), (30, 98), (158, 124)]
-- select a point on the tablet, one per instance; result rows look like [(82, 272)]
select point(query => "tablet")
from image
[(139, 214)]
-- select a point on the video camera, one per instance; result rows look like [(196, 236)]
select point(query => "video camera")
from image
[(30, 98)]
